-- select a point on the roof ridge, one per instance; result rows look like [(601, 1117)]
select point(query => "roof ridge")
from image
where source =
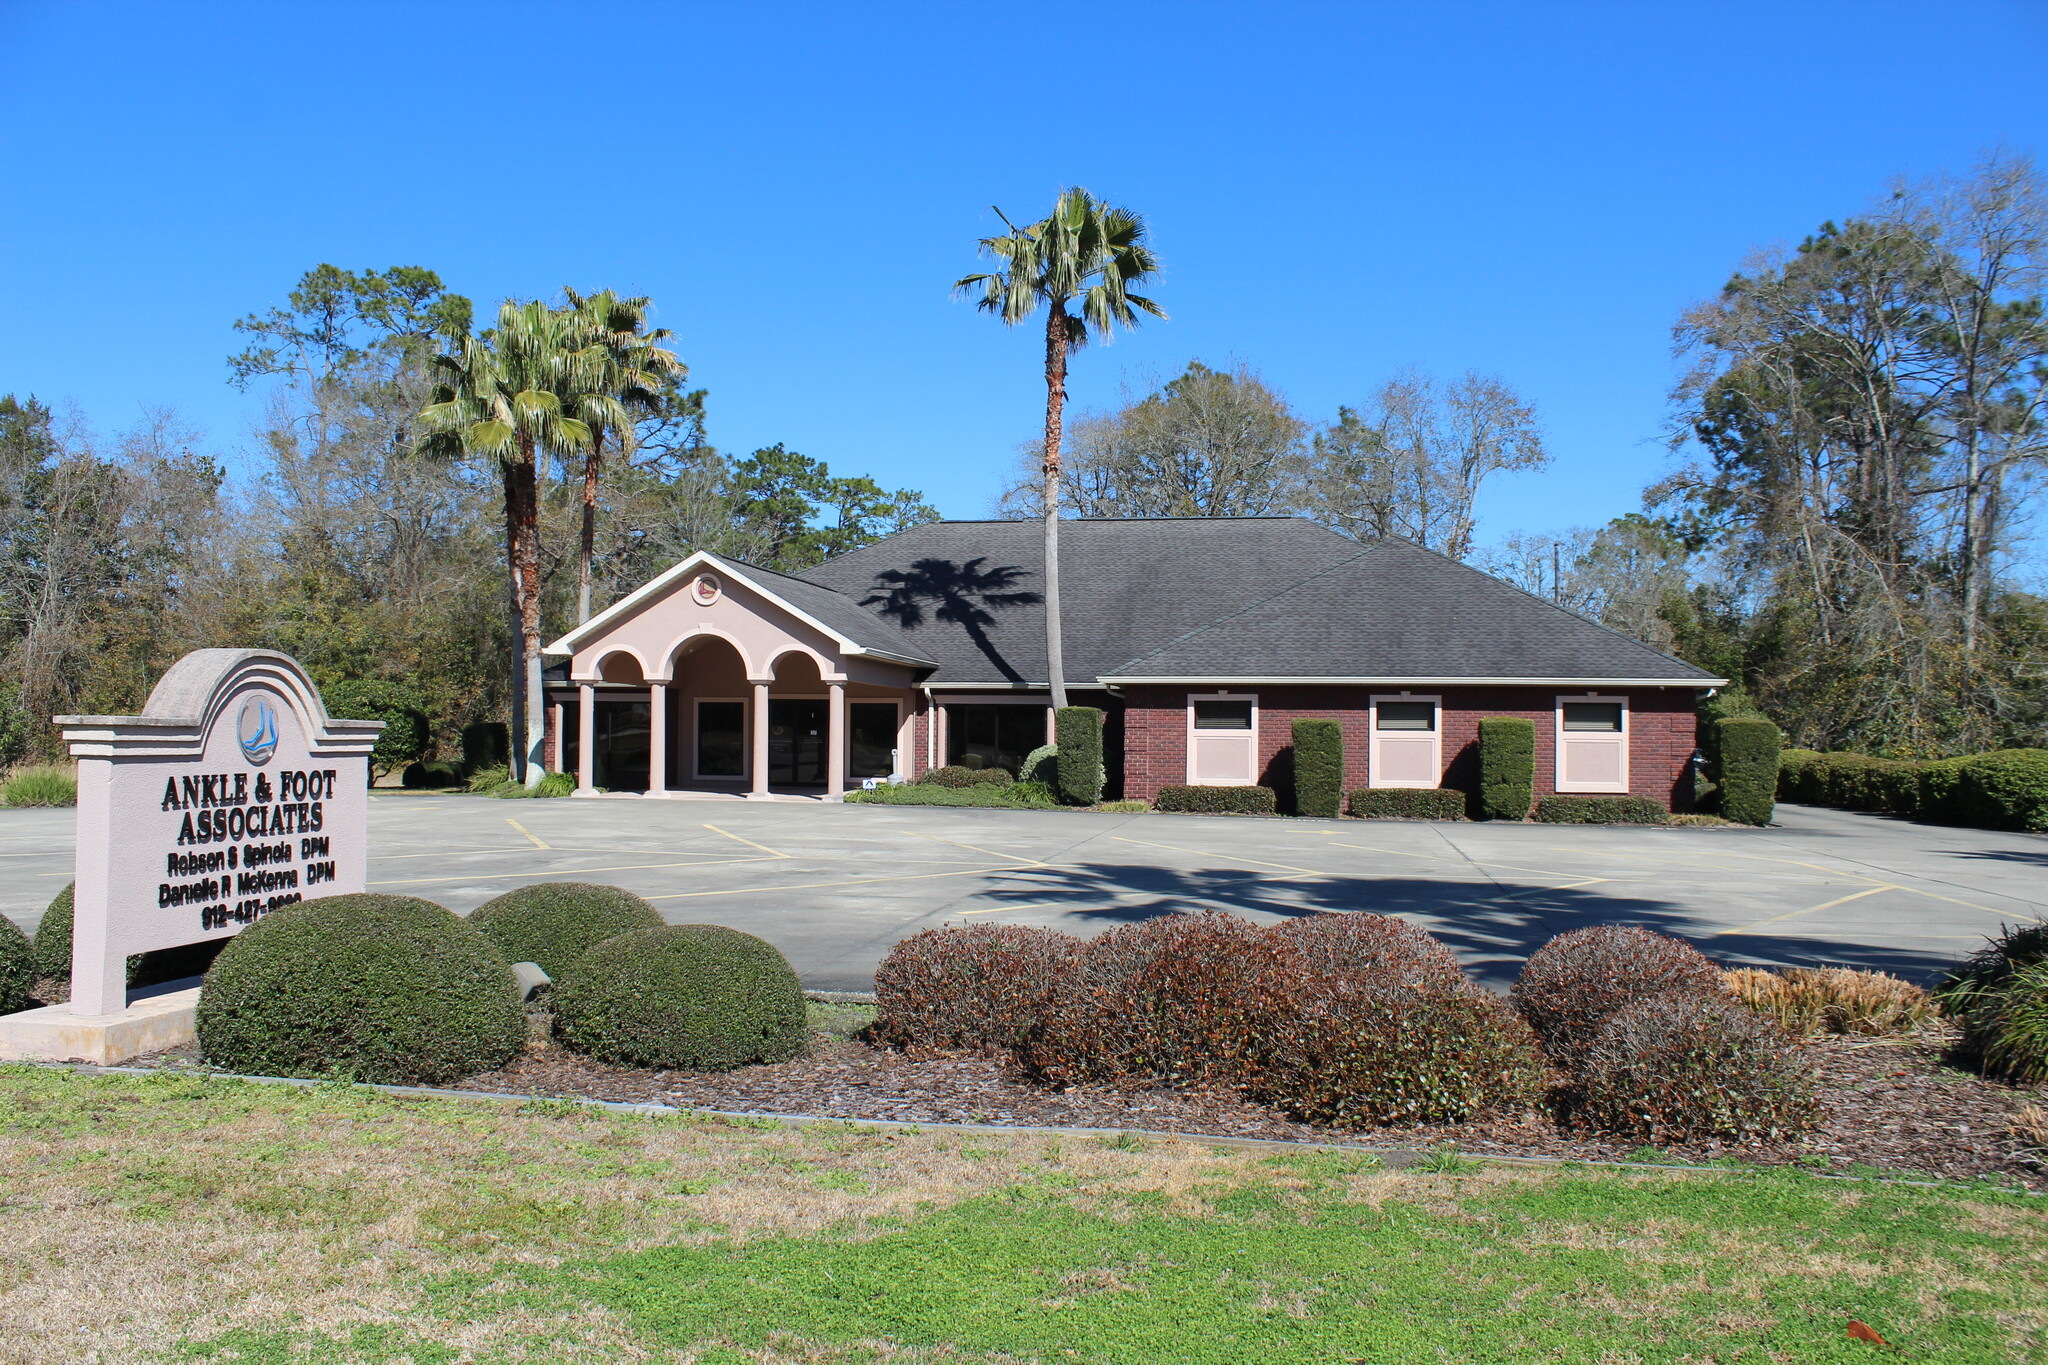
[(1363, 551)]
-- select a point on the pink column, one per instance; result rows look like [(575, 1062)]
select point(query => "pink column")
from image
[(835, 742), (760, 727), (586, 739), (657, 739)]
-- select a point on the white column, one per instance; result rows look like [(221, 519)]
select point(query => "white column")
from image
[(760, 725), (657, 739), (835, 742), (561, 740), (586, 739)]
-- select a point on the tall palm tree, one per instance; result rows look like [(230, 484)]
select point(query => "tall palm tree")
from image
[(633, 366), (1088, 252), (512, 395)]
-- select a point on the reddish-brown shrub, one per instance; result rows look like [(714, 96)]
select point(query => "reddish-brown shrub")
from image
[(978, 986), (1690, 1067), (1167, 998), (1371, 948), (1578, 981), (1349, 1052)]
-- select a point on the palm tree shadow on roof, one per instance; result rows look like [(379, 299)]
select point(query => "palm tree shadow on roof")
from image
[(1492, 926), (958, 594)]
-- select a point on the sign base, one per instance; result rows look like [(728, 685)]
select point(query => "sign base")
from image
[(54, 1034)]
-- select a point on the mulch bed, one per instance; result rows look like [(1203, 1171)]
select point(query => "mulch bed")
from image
[(1892, 1105)]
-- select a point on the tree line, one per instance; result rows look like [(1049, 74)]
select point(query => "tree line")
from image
[(1858, 426)]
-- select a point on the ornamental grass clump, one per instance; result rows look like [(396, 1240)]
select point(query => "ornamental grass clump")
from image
[(1168, 998), (1691, 1067), (1808, 1000), (2000, 997), (1377, 949), (977, 987), (45, 784), (695, 996), (551, 924), (384, 989), (1351, 1052), (1574, 984)]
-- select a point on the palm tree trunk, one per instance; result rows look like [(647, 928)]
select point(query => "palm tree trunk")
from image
[(1055, 402), (591, 464), (522, 516)]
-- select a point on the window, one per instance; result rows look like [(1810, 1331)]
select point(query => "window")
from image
[(871, 739), (994, 735), (721, 739), (1405, 748), (1592, 744), (1223, 715), (1223, 740)]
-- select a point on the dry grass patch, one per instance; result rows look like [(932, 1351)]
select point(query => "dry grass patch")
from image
[(1809, 1000)]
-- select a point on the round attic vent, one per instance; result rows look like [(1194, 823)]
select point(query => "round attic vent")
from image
[(707, 589)]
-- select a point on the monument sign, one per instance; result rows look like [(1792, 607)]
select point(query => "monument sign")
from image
[(232, 794)]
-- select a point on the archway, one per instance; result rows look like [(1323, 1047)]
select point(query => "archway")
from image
[(709, 703), (800, 732)]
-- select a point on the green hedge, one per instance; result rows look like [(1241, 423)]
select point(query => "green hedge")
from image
[(485, 744), (2005, 789), (1078, 732), (1218, 800), (551, 924), (406, 733), (431, 776), (17, 966), (1748, 747), (699, 996), (1601, 810), (1318, 768), (1017, 796), (376, 988), (1507, 767), (1408, 803), (960, 775)]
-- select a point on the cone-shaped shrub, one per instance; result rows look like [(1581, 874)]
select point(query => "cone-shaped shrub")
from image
[(1578, 981), (552, 924), (1749, 748), (1318, 768), (976, 986), (1167, 998), (1375, 949), (697, 996), (1686, 1067), (1078, 732), (384, 989)]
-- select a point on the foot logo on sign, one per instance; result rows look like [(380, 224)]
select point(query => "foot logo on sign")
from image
[(257, 729)]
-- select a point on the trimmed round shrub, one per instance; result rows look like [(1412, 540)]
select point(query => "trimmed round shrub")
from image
[(1042, 765), (1683, 1067), (1348, 1053), (960, 775), (976, 986), (384, 989), (53, 937), (551, 924), (17, 966), (698, 997), (1578, 981), (1375, 949), (1169, 998)]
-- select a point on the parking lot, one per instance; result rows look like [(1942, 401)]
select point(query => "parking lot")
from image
[(834, 886)]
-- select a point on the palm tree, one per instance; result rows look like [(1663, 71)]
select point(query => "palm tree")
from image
[(633, 366), (1085, 251), (512, 394)]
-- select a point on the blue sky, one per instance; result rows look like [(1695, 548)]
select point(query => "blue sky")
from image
[(1338, 192)]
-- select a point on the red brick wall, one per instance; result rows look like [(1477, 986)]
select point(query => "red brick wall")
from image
[(1661, 735)]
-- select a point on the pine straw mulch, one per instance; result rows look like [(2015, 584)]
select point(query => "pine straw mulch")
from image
[(1892, 1104)]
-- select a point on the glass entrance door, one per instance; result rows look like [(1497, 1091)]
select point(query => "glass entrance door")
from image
[(796, 743)]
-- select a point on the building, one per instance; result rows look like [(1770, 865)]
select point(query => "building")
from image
[(1200, 638)]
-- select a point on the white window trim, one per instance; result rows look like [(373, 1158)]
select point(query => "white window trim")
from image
[(1372, 743), (697, 740), (1557, 742), (1189, 747)]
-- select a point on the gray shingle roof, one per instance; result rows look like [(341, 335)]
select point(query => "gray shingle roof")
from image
[(837, 611), (1126, 587), (1397, 611)]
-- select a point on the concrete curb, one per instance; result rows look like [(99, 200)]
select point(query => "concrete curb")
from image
[(1394, 1158)]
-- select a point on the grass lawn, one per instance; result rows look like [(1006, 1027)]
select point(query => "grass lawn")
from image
[(177, 1218)]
